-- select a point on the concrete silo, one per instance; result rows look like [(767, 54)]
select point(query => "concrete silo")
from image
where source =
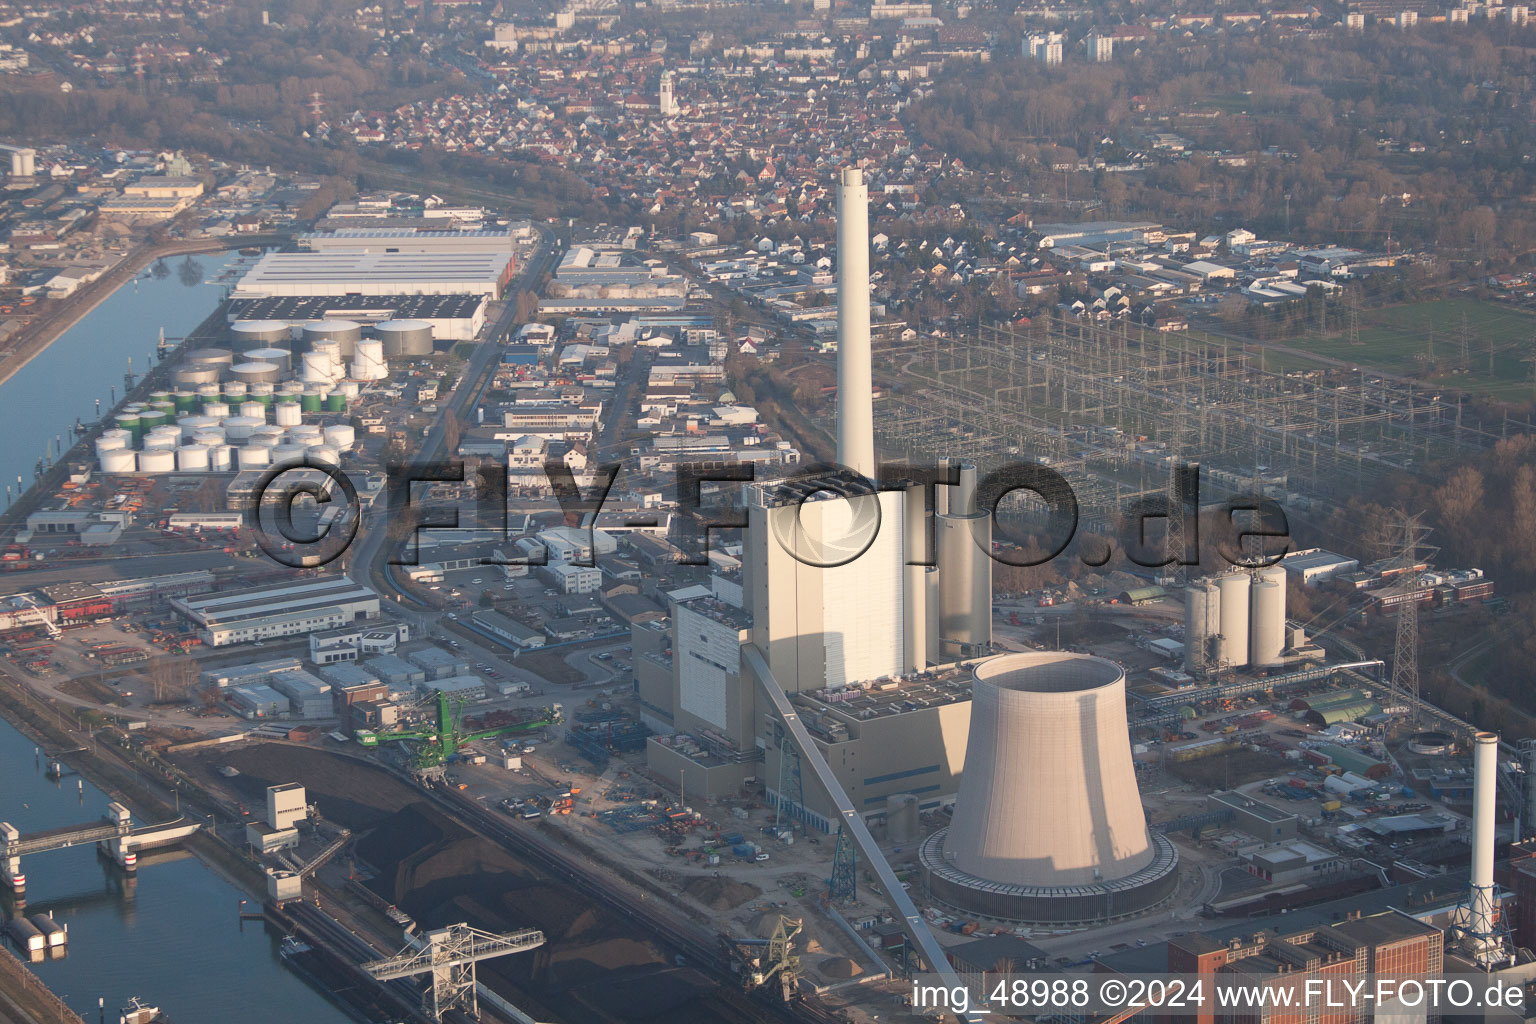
[(962, 545), (1266, 634), (1202, 624), (1232, 645), (1048, 823)]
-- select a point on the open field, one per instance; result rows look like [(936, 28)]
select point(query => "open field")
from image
[(1397, 340)]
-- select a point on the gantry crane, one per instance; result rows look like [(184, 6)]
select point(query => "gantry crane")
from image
[(760, 961), (438, 744), (449, 956)]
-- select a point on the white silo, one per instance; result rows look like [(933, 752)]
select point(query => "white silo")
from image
[(1232, 647), (369, 362), (1202, 624), (306, 434), (192, 458), (317, 368), (121, 460), (221, 458), (1266, 636), (218, 410), (110, 444), (159, 460), (324, 453), (209, 436), (288, 414), (239, 428), (253, 457), (340, 435)]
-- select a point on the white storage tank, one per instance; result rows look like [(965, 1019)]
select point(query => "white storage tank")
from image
[(345, 333), (324, 453), (1232, 648), (349, 389), (234, 391), (254, 373), (192, 458), (190, 425), (111, 444), (286, 453), (278, 357), (369, 364), (305, 434), (253, 410), (248, 334), (221, 458), (287, 414), (317, 368), (239, 428), (159, 460), (217, 410), (1202, 623), (341, 435), (1266, 636), (121, 460), (405, 338), (253, 457), (197, 376), (209, 436), (217, 358)]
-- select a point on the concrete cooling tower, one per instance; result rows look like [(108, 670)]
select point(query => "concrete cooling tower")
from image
[(1048, 824)]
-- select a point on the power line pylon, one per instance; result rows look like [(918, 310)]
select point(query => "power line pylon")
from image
[(1405, 657), (845, 869)]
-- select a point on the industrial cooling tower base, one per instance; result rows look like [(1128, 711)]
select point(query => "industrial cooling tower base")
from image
[(1074, 904)]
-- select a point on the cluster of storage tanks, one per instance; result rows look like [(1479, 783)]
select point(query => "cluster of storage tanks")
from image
[(243, 407), (236, 426), (1235, 620)]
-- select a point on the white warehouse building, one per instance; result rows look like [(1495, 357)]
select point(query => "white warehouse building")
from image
[(373, 273), (281, 609)]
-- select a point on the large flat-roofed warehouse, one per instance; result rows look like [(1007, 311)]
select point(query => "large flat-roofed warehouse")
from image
[(453, 317), (281, 609), (441, 240), (386, 273)]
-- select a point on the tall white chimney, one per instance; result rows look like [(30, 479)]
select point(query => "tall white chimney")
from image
[(855, 404), (1485, 782)]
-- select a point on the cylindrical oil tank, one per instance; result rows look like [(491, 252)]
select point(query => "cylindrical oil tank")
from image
[(330, 350), (290, 387), (286, 453), (192, 458), (159, 442), (288, 414), (159, 397), (349, 389), (218, 410), (124, 460), (335, 402), (208, 393), (306, 433), (1232, 648), (1266, 637), (238, 428), (253, 457), (190, 425), (217, 358), (235, 390), (312, 400), (209, 436), (118, 434), (248, 334), (250, 373), (341, 435), (369, 363), (157, 460), (268, 433), (261, 392), (279, 357), (130, 422), (221, 458), (405, 338), (347, 332), (151, 418), (110, 444), (316, 368), (185, 399), (324, 453), (192, 376), (254, 410)]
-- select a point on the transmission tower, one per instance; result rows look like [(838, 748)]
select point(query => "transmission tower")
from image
[(1405, 657), (1464, 342), (845, 869), (1354, 317), (317, 106)]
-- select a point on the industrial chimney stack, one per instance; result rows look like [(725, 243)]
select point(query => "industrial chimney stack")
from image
[(855, 406), (1482, 943)]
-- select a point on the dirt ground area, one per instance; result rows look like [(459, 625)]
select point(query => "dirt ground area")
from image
[(596, 967), (1234, 768)]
